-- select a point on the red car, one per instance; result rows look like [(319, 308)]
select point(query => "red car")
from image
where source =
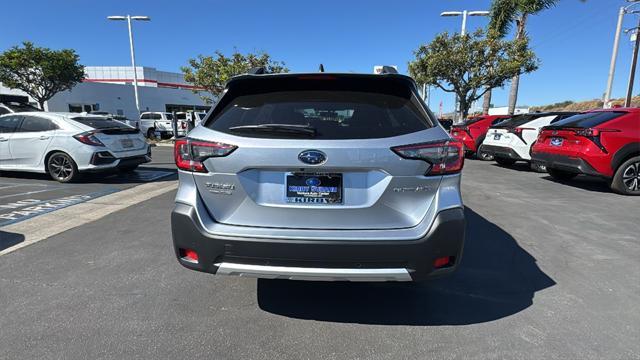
[(472, 132), (603, 143)]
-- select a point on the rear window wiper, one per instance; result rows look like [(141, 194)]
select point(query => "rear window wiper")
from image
[(276, 129)]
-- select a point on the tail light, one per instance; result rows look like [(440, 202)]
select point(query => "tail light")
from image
[(444, 157), (594, 135), (190, 154), (183, 125), (88, 138)]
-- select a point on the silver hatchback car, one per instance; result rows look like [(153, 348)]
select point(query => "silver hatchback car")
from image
[(344, 177)]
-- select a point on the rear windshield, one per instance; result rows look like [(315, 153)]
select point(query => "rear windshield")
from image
[(588, 120), (100, 122), (330, 114)]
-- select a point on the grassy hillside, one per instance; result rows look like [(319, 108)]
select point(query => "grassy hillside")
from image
[(582, 105)]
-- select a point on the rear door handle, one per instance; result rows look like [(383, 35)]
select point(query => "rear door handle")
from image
[(4, 139), (43, 137)]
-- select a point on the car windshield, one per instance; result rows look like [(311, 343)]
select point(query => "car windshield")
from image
[(588, 120), (100, 122)]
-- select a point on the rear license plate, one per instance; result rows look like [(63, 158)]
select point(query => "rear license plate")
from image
[(126, 143), (556, 141), (496, 137), (314, 188)]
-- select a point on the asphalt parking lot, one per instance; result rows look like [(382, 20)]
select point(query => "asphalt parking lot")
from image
[(26, 195), (550, 271)]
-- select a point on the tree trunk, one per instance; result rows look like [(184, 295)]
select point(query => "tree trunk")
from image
[(41, 104), (515, 81), (486, 103), (463, 108)]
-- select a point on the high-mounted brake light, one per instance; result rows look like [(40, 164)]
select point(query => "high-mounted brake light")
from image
[(444, 157), (88, 138), (190, 154)]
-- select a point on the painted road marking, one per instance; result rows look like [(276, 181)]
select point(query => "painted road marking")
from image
[(28, 208), (42, 227), (27, 193)]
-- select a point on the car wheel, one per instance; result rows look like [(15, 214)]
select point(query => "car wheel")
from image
[(61, 167), (538, 167), (151, 133), (505, 161), (561, 175), (626, 180)]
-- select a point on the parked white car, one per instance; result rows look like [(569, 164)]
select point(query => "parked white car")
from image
[(66, 144), (184, 118), (511, 140), (155, 124)]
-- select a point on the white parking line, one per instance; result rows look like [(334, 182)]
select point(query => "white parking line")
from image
[(26, 193), (44, 226)]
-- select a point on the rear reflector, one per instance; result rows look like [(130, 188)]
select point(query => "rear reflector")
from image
[(443, 262), (445, 157), (189, 255), (189, 154)]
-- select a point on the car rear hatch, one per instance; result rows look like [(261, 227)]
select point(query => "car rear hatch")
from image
[(114, 135), (574, 135), (318, 152)]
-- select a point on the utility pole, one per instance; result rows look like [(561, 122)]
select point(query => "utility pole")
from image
[(632, 73), (614, 54)]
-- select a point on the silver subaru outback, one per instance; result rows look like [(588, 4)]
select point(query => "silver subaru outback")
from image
[(344, 177)]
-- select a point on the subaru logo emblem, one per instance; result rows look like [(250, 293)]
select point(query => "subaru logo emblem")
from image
[(313, 181), (555, 132), (312, 157)]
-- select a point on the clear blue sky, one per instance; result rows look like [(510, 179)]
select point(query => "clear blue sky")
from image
[(573, 40)]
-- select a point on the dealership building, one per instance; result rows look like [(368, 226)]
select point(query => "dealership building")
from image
[(110, 88)]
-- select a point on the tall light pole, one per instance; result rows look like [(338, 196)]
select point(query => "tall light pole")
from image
[(133, 56), (614, 54), (463, 31), (634, 61)]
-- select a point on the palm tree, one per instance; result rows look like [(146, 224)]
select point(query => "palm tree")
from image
[(503, 14)]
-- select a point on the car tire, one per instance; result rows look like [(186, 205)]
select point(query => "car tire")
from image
[(561, 175), (151, 133), (626, 180), (62, 168), (504, 161), (538, 167)]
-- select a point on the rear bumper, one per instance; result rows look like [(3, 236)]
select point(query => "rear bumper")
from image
[(501, 151), (343, 260), (565, 163)]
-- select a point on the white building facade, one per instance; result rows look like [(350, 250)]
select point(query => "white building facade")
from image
[(110, 88)]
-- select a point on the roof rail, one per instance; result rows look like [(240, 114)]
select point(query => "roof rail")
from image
[(257, 70)]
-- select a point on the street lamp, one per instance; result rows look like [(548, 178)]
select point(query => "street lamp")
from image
[(133, 56), (463, 31), (614, 54), (464, 14)]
